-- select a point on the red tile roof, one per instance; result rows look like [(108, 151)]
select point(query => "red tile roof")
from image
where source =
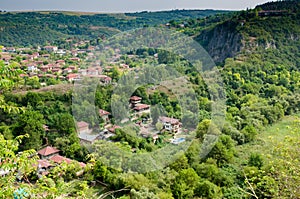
[(103, 112), (44, 163), (48, 151), (73, 75), (59, 159), (140, 107), (169, 120), (135, 98), (113, 129), (82, 124)]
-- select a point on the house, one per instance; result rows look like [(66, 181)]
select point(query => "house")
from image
[(113, 129), (39, 62), (35, 55), (46, 56), (83, 127), (47, 152), (76, 59), (50, 158), (71, 77), (61, 62), (105, 79), (45, 68), (10, 49), (134, 100), (73, 67), (104, 115), (50, 76), (92, 71), (88, 138), (56, 70), (51, 48), (43, 167), (170, 124), (67, 70), (58, 159), (32, 68), (60, 52), (141, 108)]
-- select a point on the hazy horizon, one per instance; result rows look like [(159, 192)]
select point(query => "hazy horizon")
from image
[(124, 5)]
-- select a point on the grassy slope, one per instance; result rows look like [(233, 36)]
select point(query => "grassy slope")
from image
[(271, 137)]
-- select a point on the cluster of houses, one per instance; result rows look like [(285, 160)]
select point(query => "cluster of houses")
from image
[(49, 158), (87, 136), (60, 63), (169, 124), (48, 66)]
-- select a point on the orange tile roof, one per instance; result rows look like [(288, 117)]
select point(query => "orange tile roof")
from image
[(103, 112), (44, 163), (141, 107), (59, 159), (48, 151), (82, 124), (135, 98)]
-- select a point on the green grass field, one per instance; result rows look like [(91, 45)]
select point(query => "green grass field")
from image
[(270, 138)]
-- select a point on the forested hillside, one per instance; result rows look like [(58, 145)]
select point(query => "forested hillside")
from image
[(257, 152), (38, 28)]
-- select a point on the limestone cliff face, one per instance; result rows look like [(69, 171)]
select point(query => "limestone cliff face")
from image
[(222, 41)]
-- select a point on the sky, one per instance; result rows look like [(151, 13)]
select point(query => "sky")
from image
[(125, 5)]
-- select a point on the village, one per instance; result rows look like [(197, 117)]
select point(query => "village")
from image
[(50, 65)]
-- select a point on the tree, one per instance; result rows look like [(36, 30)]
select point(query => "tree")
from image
[(208, 189), (31, 123), (144, 193), (206, 127), (255, 160), (223, 151), (185, 184)]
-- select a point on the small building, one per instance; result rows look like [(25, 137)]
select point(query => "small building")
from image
[(32, 68), (87, 138), (76, 59), (113, 128), (58, 159), (105, 79), (134, 100), (104, 115), (43, 167), (67, 70), (45, 68), (83, 127), (47, 152), (61, 62), (71, 77), (51, 48), (141, 108), (170, 124)]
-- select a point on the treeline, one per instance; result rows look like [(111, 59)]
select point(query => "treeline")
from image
[(34, 28)]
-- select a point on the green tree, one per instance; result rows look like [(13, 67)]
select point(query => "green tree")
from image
[(31, 123)]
